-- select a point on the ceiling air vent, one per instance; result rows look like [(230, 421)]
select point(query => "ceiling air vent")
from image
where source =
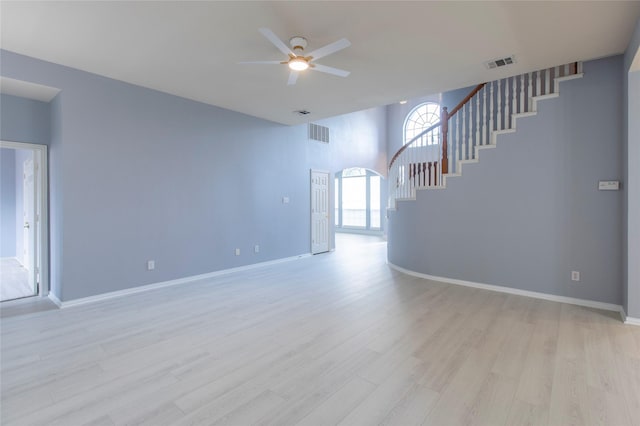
[(318, 133), (497, 63)]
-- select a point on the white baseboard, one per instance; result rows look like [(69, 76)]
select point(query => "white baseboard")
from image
[(632, 321), (185, 280), (509, 290), (629, 320)]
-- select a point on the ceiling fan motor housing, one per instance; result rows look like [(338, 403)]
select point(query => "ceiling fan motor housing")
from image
[(298, 43)]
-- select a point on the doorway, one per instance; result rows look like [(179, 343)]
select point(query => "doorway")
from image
[(359, 201), (23, 220)]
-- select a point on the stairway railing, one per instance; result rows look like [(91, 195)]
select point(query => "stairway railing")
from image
[(490, 108)]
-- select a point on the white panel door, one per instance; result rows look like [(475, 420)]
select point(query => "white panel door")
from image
[(319, 212), (29, 227)]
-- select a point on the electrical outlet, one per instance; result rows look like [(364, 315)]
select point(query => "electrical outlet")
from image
[(575, 276), (237, 252), (151, 265), (256, 249)]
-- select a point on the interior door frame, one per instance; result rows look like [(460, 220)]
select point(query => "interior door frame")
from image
[(329, 215), (41, 182)]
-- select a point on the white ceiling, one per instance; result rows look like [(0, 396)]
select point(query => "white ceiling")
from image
[(399, 49)]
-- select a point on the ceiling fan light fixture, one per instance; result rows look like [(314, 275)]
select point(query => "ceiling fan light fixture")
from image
[(298, 64)]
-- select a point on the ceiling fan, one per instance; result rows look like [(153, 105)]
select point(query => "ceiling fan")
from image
[(297, 61)]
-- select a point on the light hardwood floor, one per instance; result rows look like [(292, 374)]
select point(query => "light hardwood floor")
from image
[(337, 338), (14, 280)]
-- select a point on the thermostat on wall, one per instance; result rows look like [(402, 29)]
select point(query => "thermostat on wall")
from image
[(609, 185)]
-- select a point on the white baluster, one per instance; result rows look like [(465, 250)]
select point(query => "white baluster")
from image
[(556, 74), (530, 92), (425, 158), (522, 93), (452, 144), (538, 88), (514, 96), (403, 179), (412, 170), (415, 161), (459, 139), (410, 153), (470, 134), (477, 140), (499, 115), (400, 176), (567, 70), (415, 157), (407, 173), (464, 127), (547, 80), (491, 129), (579, 67), (507, 112), (484, 116)]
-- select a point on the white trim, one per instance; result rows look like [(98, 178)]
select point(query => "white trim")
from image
[(185, 280), (25, 89), (510, 290), (42, 255), (55, 300), (629, 320)]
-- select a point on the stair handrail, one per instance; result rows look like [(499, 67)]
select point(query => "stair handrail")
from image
[(408, 144), (465, 100)]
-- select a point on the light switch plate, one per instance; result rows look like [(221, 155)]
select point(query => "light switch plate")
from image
[(609, 185)]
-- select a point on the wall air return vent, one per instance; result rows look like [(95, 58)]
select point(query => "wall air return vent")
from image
[(501, 62), (318, 133)]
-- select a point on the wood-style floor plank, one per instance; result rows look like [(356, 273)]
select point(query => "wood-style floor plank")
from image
[(337, 338)]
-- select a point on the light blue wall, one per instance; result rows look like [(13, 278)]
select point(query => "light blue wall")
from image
[(137, 175), (631, 146), (7, 202), (24, 120), (530, 212)]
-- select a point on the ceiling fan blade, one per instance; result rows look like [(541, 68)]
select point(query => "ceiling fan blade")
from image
[(330, 48), (269, 35), (261, 62), (330, 70), (293, 76)]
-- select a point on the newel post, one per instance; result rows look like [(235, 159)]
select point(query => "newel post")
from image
[(444, 119)]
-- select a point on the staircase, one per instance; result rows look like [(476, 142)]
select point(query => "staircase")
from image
[(491, 109)]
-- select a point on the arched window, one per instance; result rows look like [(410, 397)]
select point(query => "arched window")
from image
[(420, 119)]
